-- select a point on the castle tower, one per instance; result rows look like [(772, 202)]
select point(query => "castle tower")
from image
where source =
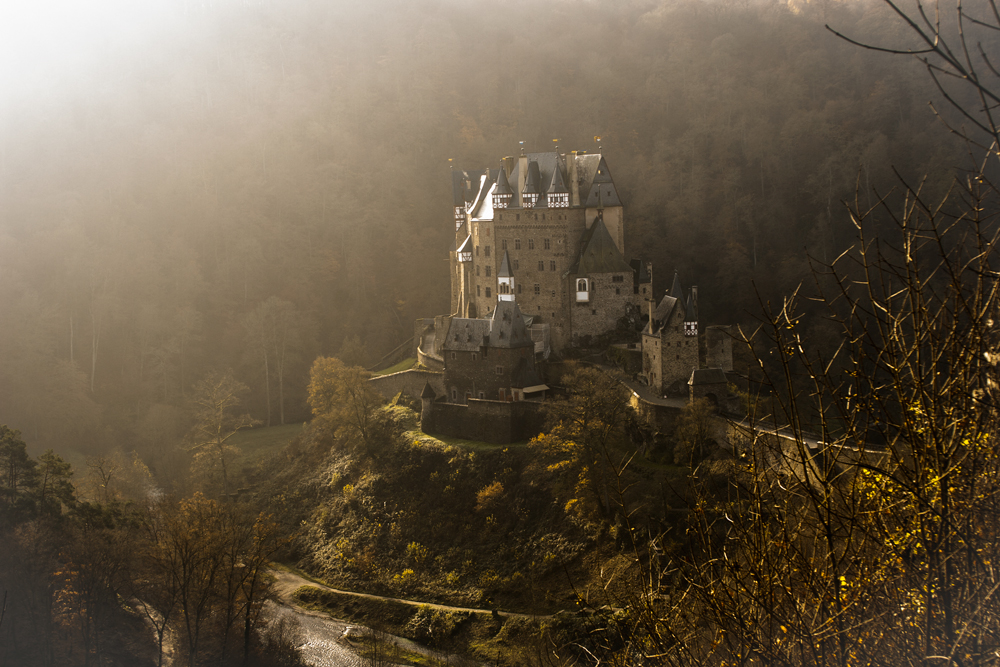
[(532, 186), (502, 194), (505, 280)]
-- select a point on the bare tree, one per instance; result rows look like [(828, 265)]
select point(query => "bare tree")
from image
[(218, 400)]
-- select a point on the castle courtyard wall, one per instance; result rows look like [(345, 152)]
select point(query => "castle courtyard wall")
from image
[(409, 382), (496, 422)]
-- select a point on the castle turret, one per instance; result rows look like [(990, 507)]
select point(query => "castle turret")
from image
[(502, 194), (532, 186), (558, 193), (505, 280)]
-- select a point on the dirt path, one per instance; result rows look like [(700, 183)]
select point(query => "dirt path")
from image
[(288, 583)]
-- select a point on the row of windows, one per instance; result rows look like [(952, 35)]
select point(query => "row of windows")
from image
[(517, 265), (517, 217), (546, 243)]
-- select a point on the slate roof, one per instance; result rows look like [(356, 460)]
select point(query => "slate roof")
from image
[(503, 185), (707, 376), (676, 289), (639, 269), (533, 183), (664, 309), (466, 334), (465, 185), (508, 330), (557, 186), (602, 188), (691, 308), (599, 253), (504, 271), (466, 245)]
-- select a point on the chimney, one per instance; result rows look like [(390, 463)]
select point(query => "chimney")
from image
[(574, 186), (508, 165)]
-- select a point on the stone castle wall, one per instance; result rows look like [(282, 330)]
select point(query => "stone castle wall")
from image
[(489, 421), (606, 306), (409, 382)]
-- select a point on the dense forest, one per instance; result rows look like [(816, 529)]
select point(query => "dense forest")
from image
[(265, 182)]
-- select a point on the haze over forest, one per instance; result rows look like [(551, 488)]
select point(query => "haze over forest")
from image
[(278, 171)]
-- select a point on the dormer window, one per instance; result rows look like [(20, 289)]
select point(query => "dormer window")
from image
[(690, 328), (501, 201), (529, 199), (582, 290), (559, 200), (459, 217)]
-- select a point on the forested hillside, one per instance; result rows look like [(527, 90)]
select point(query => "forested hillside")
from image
[(265, 182)]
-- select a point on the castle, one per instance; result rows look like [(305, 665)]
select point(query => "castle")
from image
[(538, 267), (548, 231)]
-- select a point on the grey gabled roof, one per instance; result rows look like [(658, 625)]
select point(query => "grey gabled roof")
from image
[(663, 310), (504, 271), (691, 308), (508, 328), (533, 183), (676, 289), (467, 334), (599, 254), (602, 189), (557, 186), (503, 185), (466, 245)]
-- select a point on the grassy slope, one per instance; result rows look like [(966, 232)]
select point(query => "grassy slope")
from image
[(407, 518)]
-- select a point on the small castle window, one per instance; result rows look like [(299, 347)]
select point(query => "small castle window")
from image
[(517, 244), (489, 270), (488, 230), (477, 251), (617, 291), (499, 370), (517, 265), (478, 291), (581, 285), (475, 357), (517, 217), (489, 292), (453, 356), (519, 289), (454, 395), (503, 244), (552, 265), (531, 244), (486, 251), (548, 244), (541, 265), (538, 289), (477, 270), (482, 395)]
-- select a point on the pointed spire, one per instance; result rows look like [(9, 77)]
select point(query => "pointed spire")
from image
[(676, 290), (503, 185), (557, 186), (533, 183), (504, 271)]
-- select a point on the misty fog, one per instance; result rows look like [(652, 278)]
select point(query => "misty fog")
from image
[(174, 186)]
